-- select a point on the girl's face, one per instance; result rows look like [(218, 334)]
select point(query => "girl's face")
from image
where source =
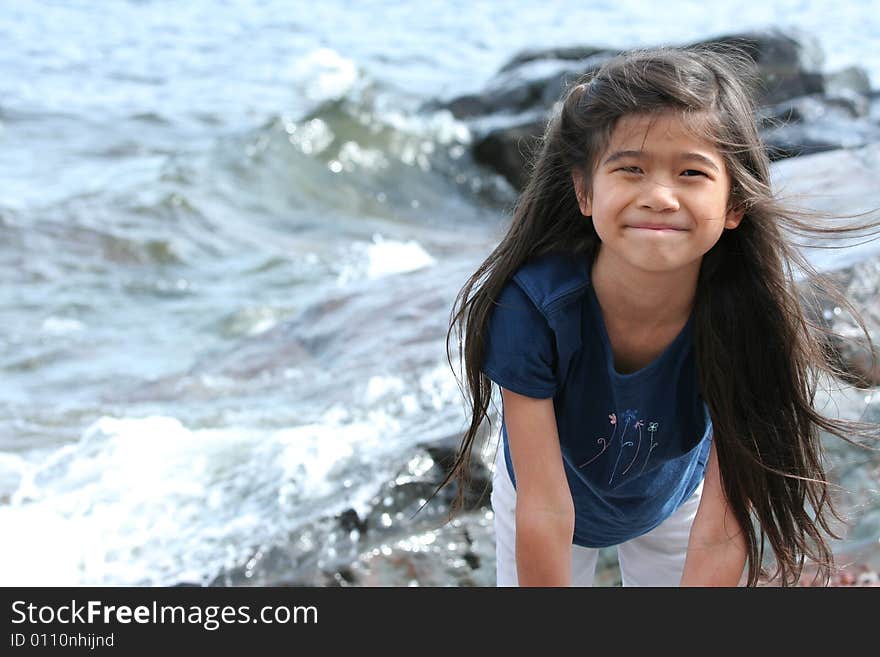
[(659, 194)]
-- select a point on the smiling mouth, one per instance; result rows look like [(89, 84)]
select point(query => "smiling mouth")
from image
[(660, 229)]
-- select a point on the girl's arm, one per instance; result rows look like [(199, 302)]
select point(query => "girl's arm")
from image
[(544, 507), (716, 553)]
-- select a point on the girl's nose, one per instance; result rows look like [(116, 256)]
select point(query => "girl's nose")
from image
[(659, 197)]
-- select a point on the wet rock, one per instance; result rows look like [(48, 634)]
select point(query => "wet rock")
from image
[(530, 81), (458, 553), (350, 521), (842, 182), (572, 53), (852, 79), (817, 123), (804, 110), (507, 150), (860, 357), (789, 63), (814, 124), (857, 359)]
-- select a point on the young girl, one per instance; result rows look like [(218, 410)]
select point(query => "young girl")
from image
[(657, 370)]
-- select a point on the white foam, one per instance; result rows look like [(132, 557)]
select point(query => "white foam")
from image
[(439, 386), (324, 74), (11, 469), (61, 325), (381, 386), (148, 501), (383, 257), (391, 257)]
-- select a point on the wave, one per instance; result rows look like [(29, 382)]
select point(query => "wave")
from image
[(362, 156), (149, 501)]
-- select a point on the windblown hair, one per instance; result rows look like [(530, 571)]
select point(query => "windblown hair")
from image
[(760, 353)]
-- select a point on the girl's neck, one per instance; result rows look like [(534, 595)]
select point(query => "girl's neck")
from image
[(633, 297)]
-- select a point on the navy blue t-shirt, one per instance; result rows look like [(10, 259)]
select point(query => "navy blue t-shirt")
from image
[(634, 446)]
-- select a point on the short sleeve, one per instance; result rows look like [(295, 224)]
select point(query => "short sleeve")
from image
[(520, 352)]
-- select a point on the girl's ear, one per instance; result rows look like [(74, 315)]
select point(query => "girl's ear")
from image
[(580, 190), (733, 218)]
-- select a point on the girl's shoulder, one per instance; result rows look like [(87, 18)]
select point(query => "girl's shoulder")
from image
[(554, 280)]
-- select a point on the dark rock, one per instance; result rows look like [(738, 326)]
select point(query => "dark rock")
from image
[(463, 106), (794, 141), (804, 109), (347, 575), (813, 124), (526, 85), (569, 53), (789, 63), (326, 551), (508, 150), (507, 119), (441, 556), (350, 521)]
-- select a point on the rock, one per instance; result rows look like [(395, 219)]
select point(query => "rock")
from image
[(506, 151), (530, 81), (570, 53), (841, 182), (859, 359), (816, 123), (458, 553), (852, 79), (805, 111), (443, 453), (350, 521), (789, 64)]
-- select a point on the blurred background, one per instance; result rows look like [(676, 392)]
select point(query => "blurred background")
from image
[(231, 234)]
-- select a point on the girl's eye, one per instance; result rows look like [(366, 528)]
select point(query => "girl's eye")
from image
[(630, 169), (695, 172)]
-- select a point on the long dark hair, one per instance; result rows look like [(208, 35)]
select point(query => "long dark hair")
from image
[(759, 354)]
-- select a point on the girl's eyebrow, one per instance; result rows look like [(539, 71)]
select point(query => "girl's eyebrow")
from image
[(683, 156)]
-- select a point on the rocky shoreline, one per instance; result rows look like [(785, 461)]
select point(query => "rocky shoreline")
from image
[(802, 110)]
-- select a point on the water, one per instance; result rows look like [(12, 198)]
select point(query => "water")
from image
[(230, 244)]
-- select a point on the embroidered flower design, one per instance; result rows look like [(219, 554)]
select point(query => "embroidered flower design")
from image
[(652, 429), (612, 418), (629, 415), (638, 425)]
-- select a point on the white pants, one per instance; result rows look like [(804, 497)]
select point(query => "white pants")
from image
[(653, 559)]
